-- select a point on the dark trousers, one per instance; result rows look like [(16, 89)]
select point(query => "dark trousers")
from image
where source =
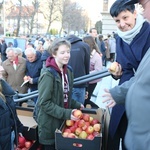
[(114, 142), (91, 88), (112, 57)]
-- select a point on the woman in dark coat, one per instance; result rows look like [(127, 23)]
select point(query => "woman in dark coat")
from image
[(9, 121), (132, 44)]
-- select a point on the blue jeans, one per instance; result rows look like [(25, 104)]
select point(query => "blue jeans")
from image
[(12, 140), (78, 94)]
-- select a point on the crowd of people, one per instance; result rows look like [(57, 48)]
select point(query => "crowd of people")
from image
[(51, 66)]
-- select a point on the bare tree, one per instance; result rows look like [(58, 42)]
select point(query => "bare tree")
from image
[(72, 16), (18, 17), (31, 20), (67, 12), (50, 11)]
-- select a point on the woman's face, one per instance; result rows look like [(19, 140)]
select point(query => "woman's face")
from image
[(62, 55), (126, 20)]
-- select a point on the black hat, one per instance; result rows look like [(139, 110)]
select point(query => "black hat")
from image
[(130, 2)]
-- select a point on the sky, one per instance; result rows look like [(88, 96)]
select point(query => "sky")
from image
[(94, 7)]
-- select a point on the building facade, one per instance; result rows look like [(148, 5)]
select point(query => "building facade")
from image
[(109, 24)]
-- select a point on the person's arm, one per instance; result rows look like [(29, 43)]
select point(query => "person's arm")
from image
[(117, 94)]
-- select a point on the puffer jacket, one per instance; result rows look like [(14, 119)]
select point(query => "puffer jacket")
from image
[(51, 105)]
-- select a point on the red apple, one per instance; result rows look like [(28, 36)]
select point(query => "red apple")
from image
[(89, 130), (24, 148), (78, 113), (81, 123), (97, 127), (76, 123), (90, 137), (94, 121), (78, 131), (72, 128), (84, 127), (83, 135), (65, 134), (69, 123), (91, 119), (71, 135), (113, 67), (96, 133), (86, 117), (87, 124), (21, 141), (28, 144), (67, 130)]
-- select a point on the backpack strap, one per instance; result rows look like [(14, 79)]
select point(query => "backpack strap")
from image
[(53, 71), (70, 68)]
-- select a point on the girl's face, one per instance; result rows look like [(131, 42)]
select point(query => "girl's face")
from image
[(62, 55), (126, 20)]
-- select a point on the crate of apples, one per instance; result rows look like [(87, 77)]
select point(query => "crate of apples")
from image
[(86, 127), (24, 144)]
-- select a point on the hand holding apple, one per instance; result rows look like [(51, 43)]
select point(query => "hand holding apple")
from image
[(76, 114), (25, 78), (115, 69)]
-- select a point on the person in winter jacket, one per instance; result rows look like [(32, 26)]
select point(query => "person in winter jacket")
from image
[(103, 49), (14, 70), (80, 63), (95, 65), (134, 57), (9, 121), (55, 91), (34, 65), (94, 34), (3, 47)]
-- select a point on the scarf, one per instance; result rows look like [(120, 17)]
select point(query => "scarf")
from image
[(128, 36), (15, 63), (130, 55)]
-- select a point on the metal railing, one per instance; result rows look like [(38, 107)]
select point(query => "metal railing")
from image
[(84, 79)]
